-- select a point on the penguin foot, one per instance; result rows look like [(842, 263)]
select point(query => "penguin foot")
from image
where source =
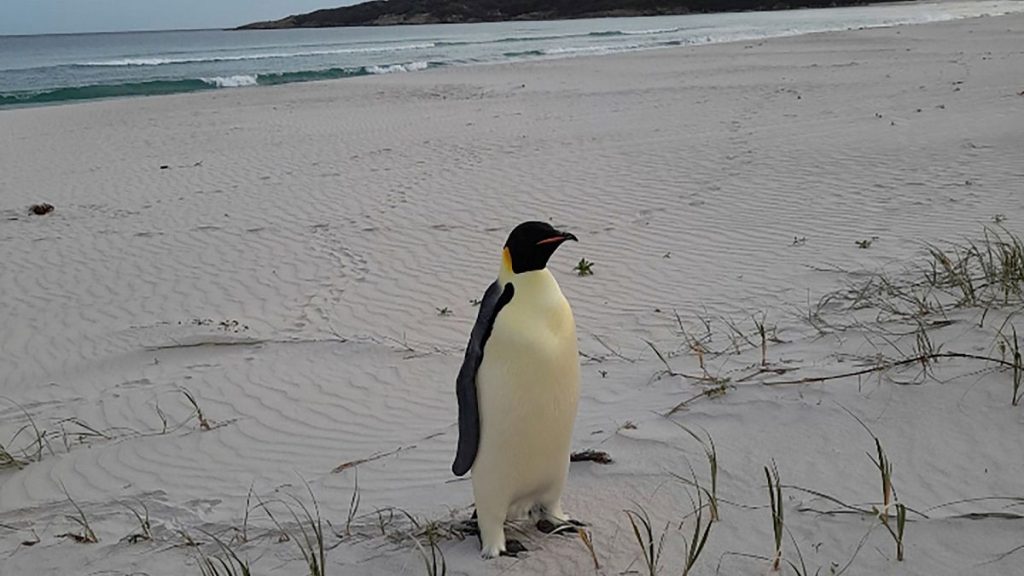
[(567, 528), (490, 552), (513, 548)]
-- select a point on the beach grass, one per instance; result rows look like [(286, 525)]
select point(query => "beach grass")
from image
[(433, 557), (649, 540), (711, 454), (141, 515), (778, 513), (884, 466), (204, 423), (353, 505), (87, 535), (308, 534), (584, 268), (698, 535), (229, 563), (1011, 346)]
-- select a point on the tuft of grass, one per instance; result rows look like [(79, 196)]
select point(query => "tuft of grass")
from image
[(81, 432), (668, 368), (990, 270), (588, 542), (204, 424), (694, 546), (432, 555), (382, 524), (696, 345), (584, 268), (1013, 348), (229, 564), (33, 452), (310, 535), (163, 418), (444, 311), (353, 505), (885, 469), (778, 519), (759, 323), (643, 531), (737, 336), (243, 536), (800, 570), (87, 536), (711, 453), (142, 516), (884, 466), (8, 460)]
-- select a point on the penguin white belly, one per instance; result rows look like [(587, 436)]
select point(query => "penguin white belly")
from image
[(528, 386)]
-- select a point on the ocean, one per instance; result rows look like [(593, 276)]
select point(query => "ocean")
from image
[(52, 69)]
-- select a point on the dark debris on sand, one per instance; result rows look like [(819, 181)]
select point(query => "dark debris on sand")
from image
[(591, 456), (41, 209)]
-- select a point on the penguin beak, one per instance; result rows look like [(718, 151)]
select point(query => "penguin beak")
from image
[(558, 239)]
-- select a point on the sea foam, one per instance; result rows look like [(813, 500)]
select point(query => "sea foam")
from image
[(232, 81), (388, 69)]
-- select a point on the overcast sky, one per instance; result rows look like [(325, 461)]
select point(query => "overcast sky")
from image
[(58, 16)]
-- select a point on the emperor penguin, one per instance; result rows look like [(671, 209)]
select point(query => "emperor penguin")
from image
[(517, 391)]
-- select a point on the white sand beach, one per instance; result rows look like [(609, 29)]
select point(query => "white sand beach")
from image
[(302, 260)]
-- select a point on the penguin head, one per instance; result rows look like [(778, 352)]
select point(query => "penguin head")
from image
[(531, 244)]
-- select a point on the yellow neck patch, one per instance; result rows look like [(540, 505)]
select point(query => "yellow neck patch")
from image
[(506, 274)]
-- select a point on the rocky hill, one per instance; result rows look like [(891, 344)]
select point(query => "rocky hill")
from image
[(392, 12)]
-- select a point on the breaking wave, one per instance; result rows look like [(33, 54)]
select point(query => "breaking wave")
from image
[(158, 87)]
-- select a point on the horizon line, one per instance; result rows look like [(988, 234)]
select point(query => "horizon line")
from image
[(138, 31)]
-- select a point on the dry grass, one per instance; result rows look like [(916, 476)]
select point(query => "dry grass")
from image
[(308, 534), (204, 423), (888, 500), (1011, 347), (778, 518), (87, 535), (983, 272), (32, 451), (142, 517), (229, 563), (650, 542), (353, 505), (432, 555), (711, 454), (699, 532)]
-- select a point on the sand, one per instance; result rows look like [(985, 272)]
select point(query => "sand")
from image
[(302, 259)]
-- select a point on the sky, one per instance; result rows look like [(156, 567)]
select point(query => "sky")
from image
[(66, 16)]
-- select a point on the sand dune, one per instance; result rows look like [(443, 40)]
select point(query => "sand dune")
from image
[(290, 257)]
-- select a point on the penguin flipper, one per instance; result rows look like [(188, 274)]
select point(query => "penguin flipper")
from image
[(465, 385)]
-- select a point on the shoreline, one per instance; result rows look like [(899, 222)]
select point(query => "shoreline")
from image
[(192, 85)]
